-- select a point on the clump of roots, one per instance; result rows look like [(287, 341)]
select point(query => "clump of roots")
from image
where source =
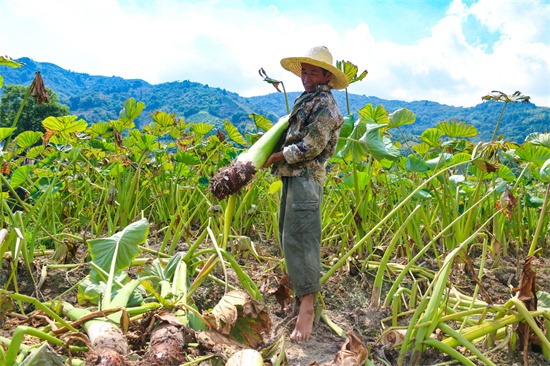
[(232, 178)]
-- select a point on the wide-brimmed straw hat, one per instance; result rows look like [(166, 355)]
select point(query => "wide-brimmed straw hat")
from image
[(317, 56)]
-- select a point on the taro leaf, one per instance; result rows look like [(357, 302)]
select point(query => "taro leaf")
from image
[(120, 248), (374, 115), (146, 141), (352, 352), (36, 151), (363, 179), (233, 133), (345, 131), (503, 172), (539, 139), (92, 289), (64, 125), (401, 117), (7, 61), (164, 119), (350, 70), (533, 201), (423, 194), (100, 128), (374, 144), (415, 164), (485, 166), (422, 148), (457, 129), (545, 171), (131, 111), (261, 121), (240, 316), (347, 127), (201, 128), (543, 303), (276, 352), (439, 161), (44, 355), (534, 154), (511, 155), (432, 137), (460, 158), (5, 132), (19, 176), (275, 187), (456, 179), (42, 187), (187, 158)]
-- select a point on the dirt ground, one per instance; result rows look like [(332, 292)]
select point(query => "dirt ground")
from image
[(346, 296)]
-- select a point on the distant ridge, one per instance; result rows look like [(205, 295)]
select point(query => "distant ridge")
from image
[(100, 98)]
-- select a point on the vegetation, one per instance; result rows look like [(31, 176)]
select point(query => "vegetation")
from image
[(136, 200), (98, 98), (32, 115)]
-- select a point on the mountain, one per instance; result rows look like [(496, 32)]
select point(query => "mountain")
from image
[(100, 98)]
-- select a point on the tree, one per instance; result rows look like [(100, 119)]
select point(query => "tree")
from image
[(33, 114)]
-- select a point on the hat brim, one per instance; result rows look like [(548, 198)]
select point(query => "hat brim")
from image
[(338, 81)]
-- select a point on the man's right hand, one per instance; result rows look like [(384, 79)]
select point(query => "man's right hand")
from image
[(278, 156)]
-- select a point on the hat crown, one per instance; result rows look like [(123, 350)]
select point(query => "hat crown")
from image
[(320, 53)]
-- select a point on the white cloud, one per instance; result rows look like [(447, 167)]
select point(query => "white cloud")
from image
[(224, 43)]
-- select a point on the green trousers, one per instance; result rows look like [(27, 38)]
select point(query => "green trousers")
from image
[(300, 232)]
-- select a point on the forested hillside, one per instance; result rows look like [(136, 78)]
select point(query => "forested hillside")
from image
[(99, 98)]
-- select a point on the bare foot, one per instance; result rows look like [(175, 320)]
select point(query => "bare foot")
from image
[(304, 324)]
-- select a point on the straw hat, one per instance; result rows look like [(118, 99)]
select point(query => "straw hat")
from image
[(317, 56)]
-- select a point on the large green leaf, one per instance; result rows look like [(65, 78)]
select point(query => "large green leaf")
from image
[(131, 111), (5, 132), (545, 171), (233, 133), (457, 129), (533, 154), (146, 141), (439, 161), (432, 137), (539, 139), (374, 144), (122, 247), (164, 119), (28, 138), (363, 179), (415, 164), (19, 176), (201, 128), (374, 115), (261, 122), (65, 125), (401, 117), (100, 128), (187, 158)]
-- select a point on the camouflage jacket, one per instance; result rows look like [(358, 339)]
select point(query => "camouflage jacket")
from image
[(312, 135)]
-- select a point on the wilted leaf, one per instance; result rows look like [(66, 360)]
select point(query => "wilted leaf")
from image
[(353, 352), (485, 166), (240, 316)]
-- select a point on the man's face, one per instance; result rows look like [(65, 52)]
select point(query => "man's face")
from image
[(313, 76)]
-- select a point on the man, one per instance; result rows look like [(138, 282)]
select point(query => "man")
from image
[(310, 141)]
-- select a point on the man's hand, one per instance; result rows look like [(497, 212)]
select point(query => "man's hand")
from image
[(273, 158)]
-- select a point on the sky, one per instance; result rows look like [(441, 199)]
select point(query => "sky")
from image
[(447, 51)]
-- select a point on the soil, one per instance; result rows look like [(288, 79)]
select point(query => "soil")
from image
[(346, 296)]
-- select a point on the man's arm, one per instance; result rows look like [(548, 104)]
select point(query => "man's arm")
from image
[(273, 158)]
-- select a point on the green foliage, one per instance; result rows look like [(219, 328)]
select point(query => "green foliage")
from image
[(32, 114)]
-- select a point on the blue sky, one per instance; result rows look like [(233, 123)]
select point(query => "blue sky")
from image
[(449, 51)]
